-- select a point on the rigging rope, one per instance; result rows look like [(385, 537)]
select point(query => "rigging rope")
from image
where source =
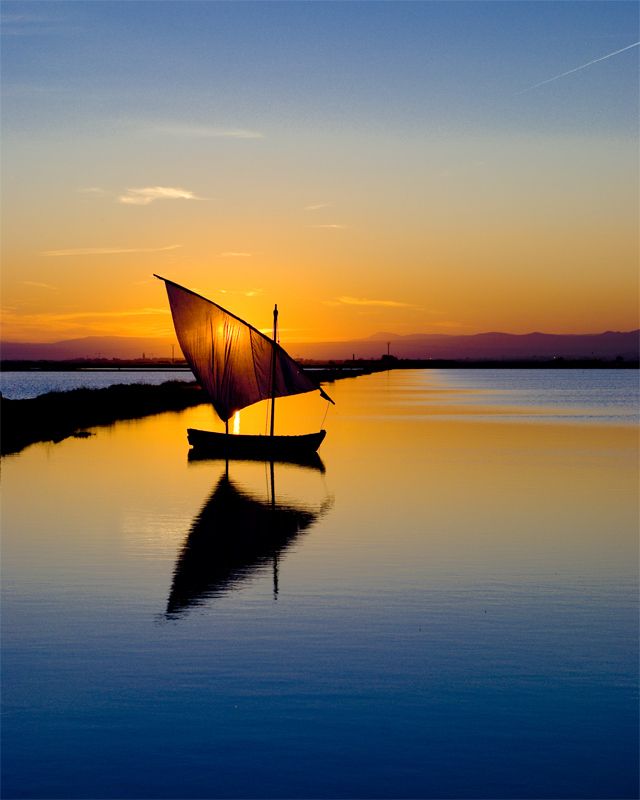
[(326, 411)]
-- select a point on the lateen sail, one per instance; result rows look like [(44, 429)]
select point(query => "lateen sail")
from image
[(231, 359)]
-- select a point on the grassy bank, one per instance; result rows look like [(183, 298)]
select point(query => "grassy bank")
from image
[(58, 415)]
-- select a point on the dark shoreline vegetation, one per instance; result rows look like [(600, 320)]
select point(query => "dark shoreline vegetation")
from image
[(56, 416)]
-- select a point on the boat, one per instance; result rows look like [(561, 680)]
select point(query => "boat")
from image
[(237, 366)]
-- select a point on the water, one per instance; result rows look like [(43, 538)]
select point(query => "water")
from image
[(448, 611), (20, 385), (565, 394)]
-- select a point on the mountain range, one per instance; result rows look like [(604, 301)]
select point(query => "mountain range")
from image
[(481, 346)]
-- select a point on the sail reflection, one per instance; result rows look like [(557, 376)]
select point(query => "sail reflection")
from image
[(234, 536)]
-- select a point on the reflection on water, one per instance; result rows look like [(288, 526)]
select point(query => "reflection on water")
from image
[(309, 460), (234, 535), (461, 624)]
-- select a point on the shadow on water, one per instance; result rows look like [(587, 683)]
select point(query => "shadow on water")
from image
[(235, 535)]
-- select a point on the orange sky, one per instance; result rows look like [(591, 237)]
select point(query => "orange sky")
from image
[(418, 195)]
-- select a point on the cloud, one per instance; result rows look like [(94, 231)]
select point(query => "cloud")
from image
[(207, 132), (128, 312), (126, 322), (108, 251), (38, 285), (330, 225), (362, 301), (577, 69), (243, 292), (146, 195), (93, 190), (232, 254), (316, 206)]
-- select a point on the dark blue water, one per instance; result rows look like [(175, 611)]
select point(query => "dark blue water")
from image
[(20, 385), (448, 611)]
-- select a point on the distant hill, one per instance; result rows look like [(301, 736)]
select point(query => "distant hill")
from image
[(89, 347), (481, 346), (608, 345)]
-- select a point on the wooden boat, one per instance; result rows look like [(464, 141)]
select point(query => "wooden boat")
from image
[(238, 366), (261, 448)]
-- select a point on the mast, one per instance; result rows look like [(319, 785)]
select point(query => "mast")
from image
[(273, 368)]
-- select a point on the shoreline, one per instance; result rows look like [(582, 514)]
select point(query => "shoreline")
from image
[(332, 369), (56, 416)]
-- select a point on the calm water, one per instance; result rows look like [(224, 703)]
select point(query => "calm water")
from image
[(449, 610), (20, 385)]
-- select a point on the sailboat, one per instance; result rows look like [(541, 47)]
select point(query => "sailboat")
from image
[(238, 366)]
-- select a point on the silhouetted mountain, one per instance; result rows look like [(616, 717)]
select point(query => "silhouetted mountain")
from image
[(90, 347), (481, 346), (608, 345)]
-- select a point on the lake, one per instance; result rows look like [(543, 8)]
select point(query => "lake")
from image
[(447, 609), (24, 384)]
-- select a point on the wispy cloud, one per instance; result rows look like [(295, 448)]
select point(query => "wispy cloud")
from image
[(243, 292), (330, 225), (148, 194), (27, 24), (581, 67), (233, 254), (38, 285), (93, 190), (30, 89), (108, 251), (206, 132), (363, 301), (316, 206), (128, 312), (145, 321)]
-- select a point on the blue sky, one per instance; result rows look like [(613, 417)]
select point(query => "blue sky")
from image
[(274, 64)]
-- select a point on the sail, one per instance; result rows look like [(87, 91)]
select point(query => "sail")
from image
[(231, 359)]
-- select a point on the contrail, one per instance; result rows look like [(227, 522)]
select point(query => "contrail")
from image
[(577, 69)]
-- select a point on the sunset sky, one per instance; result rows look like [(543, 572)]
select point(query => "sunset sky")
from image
[(444, 167)]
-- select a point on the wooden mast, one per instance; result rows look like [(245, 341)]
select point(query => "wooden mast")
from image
[(273, 368), (271, 465)]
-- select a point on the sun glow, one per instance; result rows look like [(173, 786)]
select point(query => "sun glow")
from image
[(236, 422)]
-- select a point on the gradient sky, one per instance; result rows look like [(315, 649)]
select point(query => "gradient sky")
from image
[(369, 166)]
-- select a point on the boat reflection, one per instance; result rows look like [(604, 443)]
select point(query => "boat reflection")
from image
[(235, 535), (308, 460)]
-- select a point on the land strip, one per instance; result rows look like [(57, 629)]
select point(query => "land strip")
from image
[(55, 416)]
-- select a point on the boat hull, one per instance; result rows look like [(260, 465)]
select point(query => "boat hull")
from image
[(262, 448)]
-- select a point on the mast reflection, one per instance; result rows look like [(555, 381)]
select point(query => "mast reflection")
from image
[(233, 537)]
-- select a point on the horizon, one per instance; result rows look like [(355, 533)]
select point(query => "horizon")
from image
[(603, 346), (451, 168), (377, 336)]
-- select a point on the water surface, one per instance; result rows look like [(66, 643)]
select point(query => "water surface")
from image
[(22, 384), (448, 611)]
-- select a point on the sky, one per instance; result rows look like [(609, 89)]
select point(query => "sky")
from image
[(418, 167)]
